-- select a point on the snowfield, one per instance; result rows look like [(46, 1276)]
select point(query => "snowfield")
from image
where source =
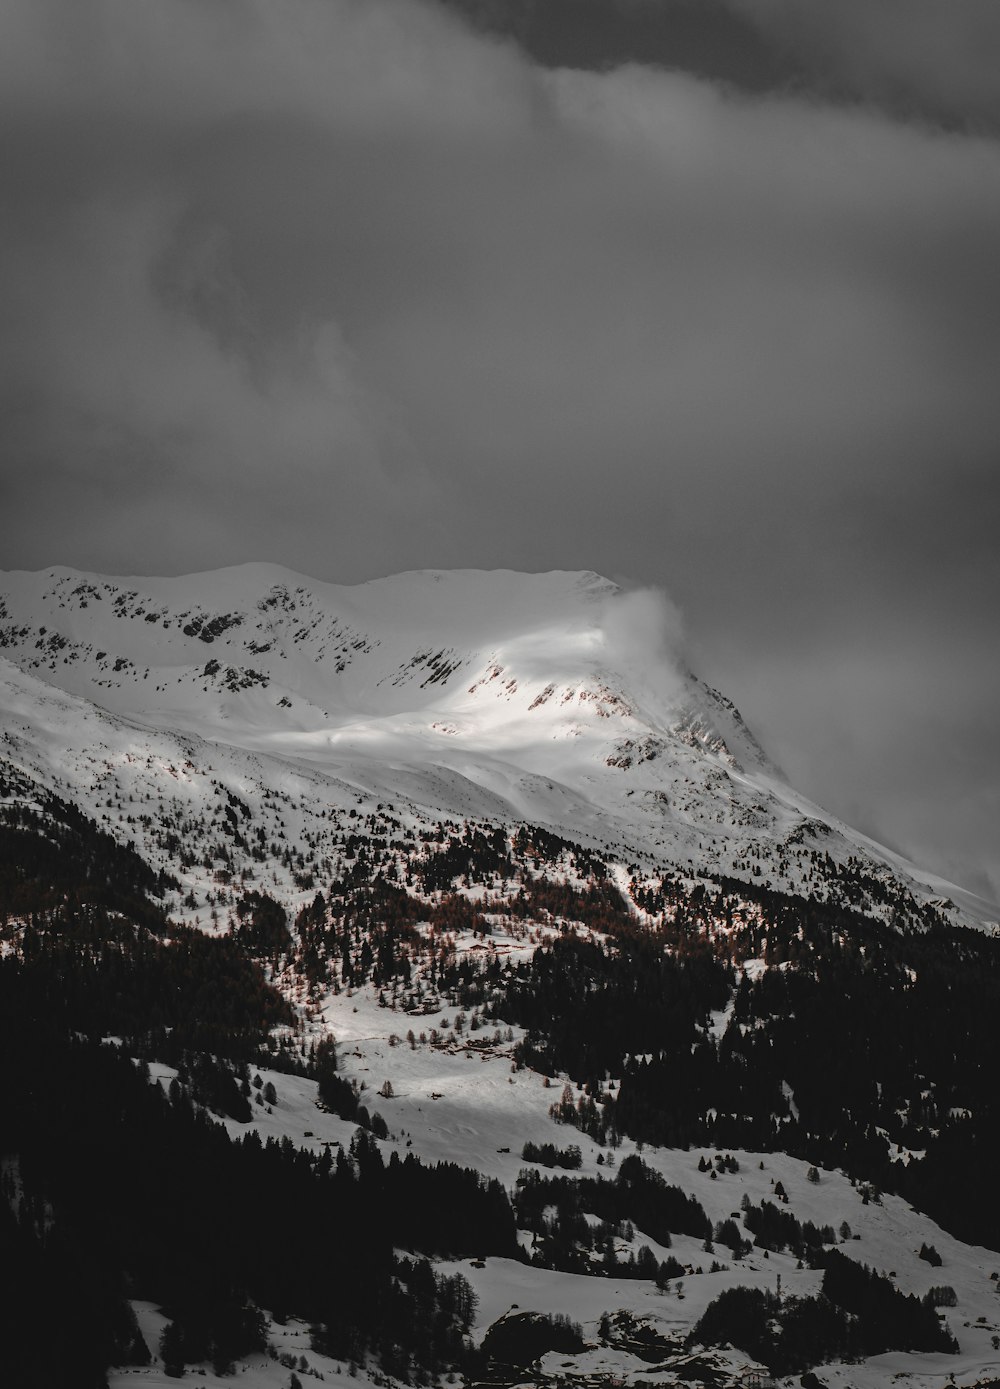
[(468, 1106), (556, 699)]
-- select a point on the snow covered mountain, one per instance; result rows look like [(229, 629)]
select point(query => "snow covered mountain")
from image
[(491, 937), (554, 699)]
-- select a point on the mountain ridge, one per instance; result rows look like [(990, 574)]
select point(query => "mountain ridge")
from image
[(557, 698)]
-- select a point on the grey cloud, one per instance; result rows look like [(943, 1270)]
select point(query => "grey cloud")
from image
[(894, 733), (938, 58), (711, 39)]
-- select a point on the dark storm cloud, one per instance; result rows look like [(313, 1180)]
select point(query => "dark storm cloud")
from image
[(708, 38), (936, 60), (940, 58), (344, 284)]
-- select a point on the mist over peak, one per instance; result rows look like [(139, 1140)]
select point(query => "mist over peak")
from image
[(644, 633)]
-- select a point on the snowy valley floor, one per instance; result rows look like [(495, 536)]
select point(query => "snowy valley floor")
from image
[(468, 1103)]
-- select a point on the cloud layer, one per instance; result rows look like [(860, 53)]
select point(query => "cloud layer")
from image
[(940, 58), (342, 284)]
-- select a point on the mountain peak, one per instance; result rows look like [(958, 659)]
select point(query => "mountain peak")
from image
[(560, 698)]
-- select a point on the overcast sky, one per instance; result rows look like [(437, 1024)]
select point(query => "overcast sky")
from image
[(703, 294)]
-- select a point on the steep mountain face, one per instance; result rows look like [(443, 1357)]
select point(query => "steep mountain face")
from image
[(443, 965), (552, 698)]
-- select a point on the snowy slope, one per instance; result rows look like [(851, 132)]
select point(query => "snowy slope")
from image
[(210, 716), (554, 699), (462, 1102)]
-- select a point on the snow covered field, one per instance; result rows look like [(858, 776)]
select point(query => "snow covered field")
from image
[(465, 1105)]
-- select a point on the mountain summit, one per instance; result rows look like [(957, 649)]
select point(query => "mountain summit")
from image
[(559, 699)]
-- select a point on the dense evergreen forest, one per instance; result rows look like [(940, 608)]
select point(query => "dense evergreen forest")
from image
[(859, 1043), (118, 1189), (113, 1189), (857, 1313), (856, 1032)]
